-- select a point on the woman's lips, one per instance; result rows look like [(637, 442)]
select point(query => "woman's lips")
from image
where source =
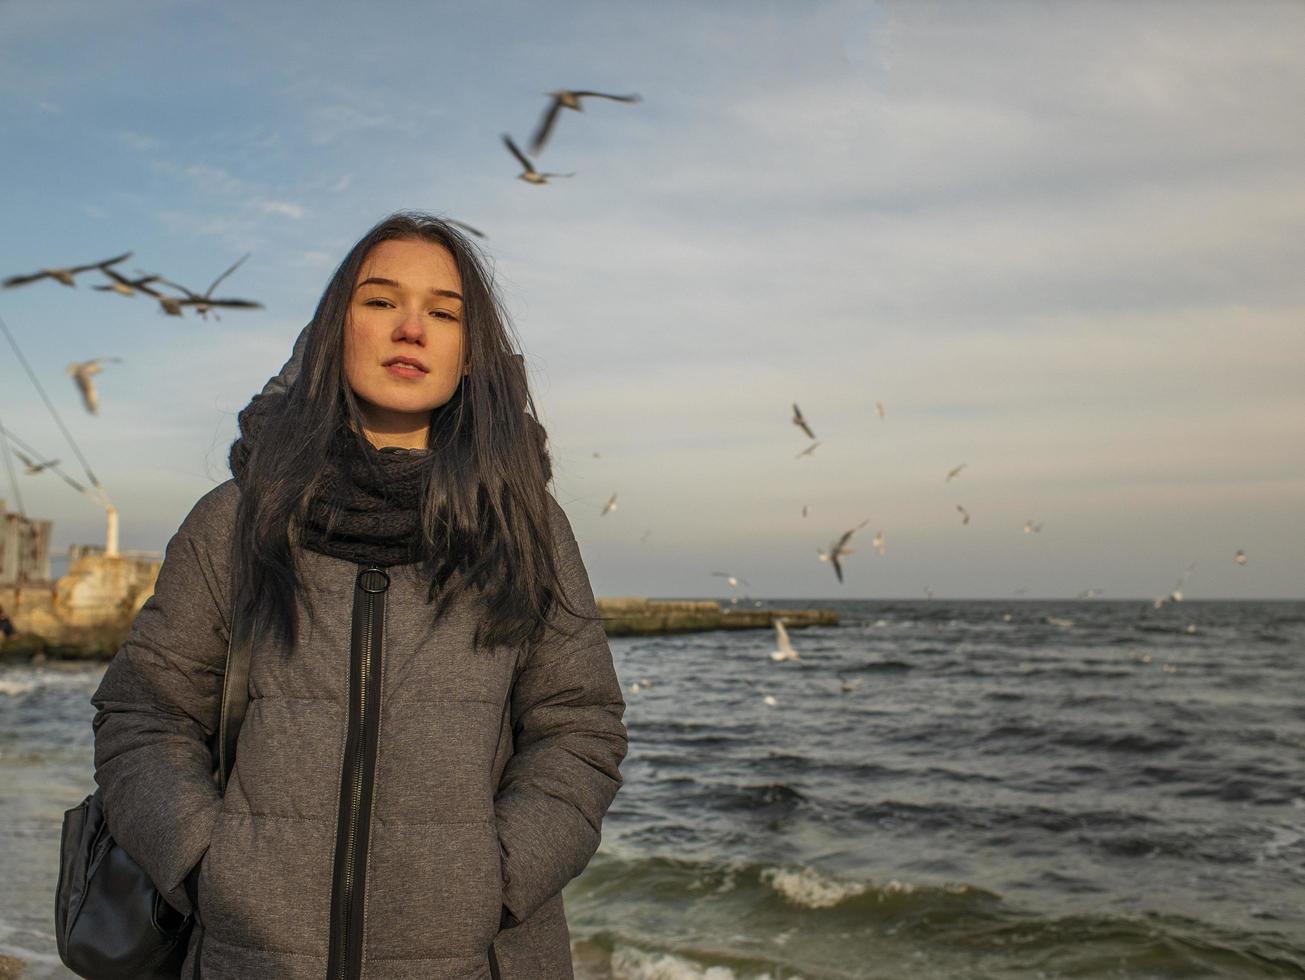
[(400, 370)]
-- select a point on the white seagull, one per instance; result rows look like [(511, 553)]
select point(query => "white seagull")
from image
[(785, 651), (33, 467), (81, 372)]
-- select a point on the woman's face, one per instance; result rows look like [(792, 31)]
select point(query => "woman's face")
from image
[(406, 307)]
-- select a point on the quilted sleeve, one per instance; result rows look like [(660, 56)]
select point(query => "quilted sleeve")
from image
[(158, 703), (569, 742)]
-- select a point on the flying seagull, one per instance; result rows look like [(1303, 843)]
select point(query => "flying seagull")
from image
[(801, 421), (784, 649), (848, 684), (567, 99), (1240, 557), (879, 409), (1030, 527), (64, 275), (954, 472), (809, 450), (35, 467), (965, 514), (204, 304), (878, 542), (142, 284), (733, 580), (81, 372), (839, 548), (804, 510), (1177, 594), (120, 284), (528, 172), (610, 505)]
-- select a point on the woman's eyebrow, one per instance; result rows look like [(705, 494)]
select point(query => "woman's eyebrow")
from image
[(380, 281)]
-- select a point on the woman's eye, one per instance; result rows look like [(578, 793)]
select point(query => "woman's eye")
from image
[(373, 302), (444, 313)]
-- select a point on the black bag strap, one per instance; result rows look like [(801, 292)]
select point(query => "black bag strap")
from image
[(235, 687)]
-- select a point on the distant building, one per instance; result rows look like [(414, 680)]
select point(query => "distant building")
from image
[(24, 549)]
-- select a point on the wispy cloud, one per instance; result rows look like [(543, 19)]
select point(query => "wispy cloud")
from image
[(283, 208)]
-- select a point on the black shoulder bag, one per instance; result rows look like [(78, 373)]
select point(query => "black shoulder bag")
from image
[(111, 923)]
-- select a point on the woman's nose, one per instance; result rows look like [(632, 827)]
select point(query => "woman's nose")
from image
[(410, 326)]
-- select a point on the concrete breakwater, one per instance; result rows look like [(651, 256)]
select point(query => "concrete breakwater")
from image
[(635, 616)]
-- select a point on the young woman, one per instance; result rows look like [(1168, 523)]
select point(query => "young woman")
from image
[(434, 732)]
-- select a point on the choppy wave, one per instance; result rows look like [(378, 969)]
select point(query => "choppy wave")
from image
[(827, 925)]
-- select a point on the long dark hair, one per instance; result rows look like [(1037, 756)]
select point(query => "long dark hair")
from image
[(484, 506)]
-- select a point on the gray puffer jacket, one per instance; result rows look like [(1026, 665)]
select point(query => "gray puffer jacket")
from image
[(400, 807)]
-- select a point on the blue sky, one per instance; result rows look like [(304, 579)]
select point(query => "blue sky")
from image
[(1060, 243)]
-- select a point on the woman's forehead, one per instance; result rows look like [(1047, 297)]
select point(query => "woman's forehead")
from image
[(415, 264)]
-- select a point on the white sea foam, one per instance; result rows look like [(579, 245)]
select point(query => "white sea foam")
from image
[(809, 889), (18, 681), (629, 963), (14, 686), (1283, 839)]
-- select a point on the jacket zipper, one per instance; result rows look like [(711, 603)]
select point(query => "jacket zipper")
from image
[(358, 778)]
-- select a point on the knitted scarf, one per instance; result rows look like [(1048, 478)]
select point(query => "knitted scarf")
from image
[(366, 509)]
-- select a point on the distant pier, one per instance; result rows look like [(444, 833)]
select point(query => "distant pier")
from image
[(635, 616)]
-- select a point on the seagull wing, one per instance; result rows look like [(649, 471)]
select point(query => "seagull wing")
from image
[(225, 274), (545, 126), (13, 281), (465, 227), (521, 157), (115, 275), (143, 285), (100, 265), (235, 304), (847, 536), (177, 285), (632, 97)]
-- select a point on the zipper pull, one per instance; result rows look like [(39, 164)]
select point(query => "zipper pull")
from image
[(373, 580)]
